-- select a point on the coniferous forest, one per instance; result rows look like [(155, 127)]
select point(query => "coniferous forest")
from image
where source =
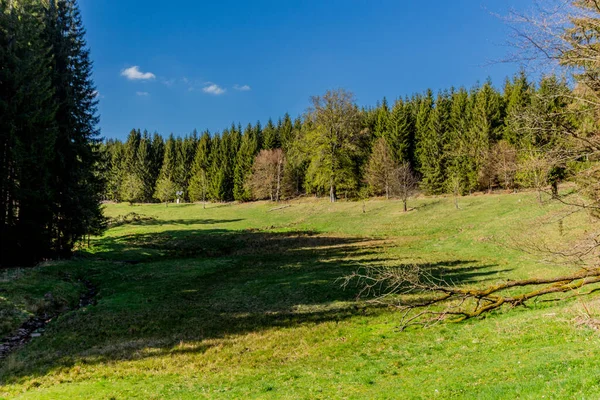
[(50, 181), (56, 170), (457, 141)]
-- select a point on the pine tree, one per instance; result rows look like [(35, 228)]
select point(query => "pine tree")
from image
[(199, 182), (432, 143), (158, 153), (383, 118), (166, 181), (130, 150), (517, 97), (143, 167), (77, 183), (461, 170), (116, 175), (423, 109), (286, 131), (243, 165), (381, 168), (270, 136), (401, 131), (486, 128), (27, 135), (217, 174)]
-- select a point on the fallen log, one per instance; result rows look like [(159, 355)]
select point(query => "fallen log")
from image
[(279, 208)]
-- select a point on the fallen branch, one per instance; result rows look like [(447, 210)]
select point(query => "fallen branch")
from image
[(279, 208), (439, 300)]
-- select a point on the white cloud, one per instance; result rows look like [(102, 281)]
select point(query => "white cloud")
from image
[(142, 93), (242, 88), (213, 88), (134, 73)]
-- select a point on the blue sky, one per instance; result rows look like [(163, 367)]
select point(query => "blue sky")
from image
[(204, 64)]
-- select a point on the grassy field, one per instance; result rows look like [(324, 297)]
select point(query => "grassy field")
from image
[(237, 301)]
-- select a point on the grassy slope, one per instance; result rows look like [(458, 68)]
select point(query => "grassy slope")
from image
[(235, 301)]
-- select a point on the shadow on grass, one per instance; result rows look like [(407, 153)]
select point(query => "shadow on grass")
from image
[(196, 286)]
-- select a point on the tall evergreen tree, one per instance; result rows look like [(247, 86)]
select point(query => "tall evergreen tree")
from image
[(517, 97), (270, 137), (76, 182), (199, 181), (423, 109), (116, 171), (400, 132), (431, 156), (382, 121), (243, 165), (158, 153), (27, 135), (144, 161), (166, 179)]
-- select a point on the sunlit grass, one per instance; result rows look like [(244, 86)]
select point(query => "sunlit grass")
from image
[(239, 301)]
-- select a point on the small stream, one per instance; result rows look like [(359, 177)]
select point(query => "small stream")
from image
[(35, 326)]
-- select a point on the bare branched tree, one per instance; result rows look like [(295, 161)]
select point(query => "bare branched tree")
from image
[(267, 174), (405, 183)]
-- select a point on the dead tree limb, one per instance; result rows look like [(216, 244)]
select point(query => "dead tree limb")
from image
[(435, 300)]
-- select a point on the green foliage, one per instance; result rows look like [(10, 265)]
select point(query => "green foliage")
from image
[(432, 142), (243, 165), (50, 159), (199, 183), (334, 140), (133, 188), (465, 139), (165, 189), (270, 136)]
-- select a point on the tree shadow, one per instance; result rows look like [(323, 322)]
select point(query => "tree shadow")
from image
[(193, 221), (199, 286)]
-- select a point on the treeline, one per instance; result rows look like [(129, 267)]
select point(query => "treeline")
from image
[(457, 141), (50, 182)]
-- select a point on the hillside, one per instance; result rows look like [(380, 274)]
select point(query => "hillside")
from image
[(244, 300)]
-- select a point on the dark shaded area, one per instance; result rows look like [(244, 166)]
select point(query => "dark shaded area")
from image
[(204, 284), (197, 221)]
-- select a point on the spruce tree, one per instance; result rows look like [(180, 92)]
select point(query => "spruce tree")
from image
[(27, 135), (243, 165), (143, 168), (401, 130), (431, 156), (382, 121), (461, 170), (158, 153), (486, 128), (114, 180), (270, 136), (286, 131), (76, 181), (166, 182), (517, 98), (199, 181)]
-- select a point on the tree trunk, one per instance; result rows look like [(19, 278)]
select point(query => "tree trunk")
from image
[(405, 207), (555, 189), (332, 193)]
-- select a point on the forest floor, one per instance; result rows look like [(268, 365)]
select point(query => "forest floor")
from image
[(237, 301)]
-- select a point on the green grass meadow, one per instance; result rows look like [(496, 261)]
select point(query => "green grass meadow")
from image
[(243, 301)]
